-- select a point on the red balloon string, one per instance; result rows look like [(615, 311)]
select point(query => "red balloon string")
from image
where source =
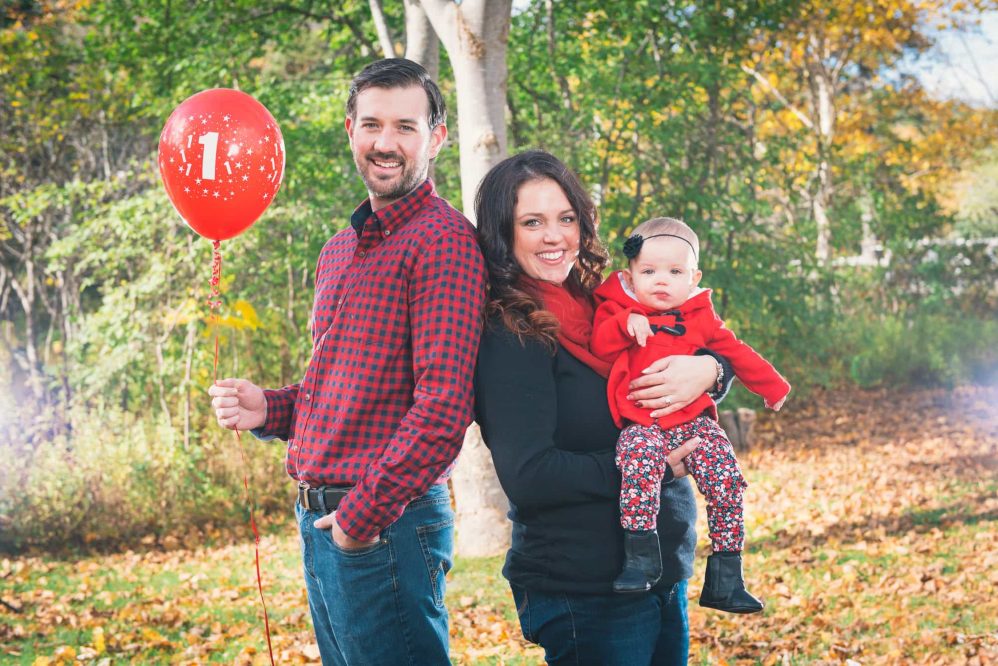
[(214, 302)]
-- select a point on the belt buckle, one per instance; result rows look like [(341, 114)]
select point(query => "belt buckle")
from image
[(303, 488)]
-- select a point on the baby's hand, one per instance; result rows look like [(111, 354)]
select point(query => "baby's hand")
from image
[(777, 406), (638, 328)]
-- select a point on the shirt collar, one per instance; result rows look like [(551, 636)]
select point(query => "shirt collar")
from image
[(395, 214)]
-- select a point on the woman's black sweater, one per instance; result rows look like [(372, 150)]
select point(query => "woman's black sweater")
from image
[(546, 421)]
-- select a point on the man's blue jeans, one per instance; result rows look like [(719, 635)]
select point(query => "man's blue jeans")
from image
[(383, 604), (607, 630)]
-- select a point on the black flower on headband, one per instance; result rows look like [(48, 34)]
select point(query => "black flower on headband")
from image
[(632, 246)]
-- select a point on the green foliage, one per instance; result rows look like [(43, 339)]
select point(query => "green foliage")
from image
[(935, 322), (127, 473), (927, 349), (978, 213), (108, 355)]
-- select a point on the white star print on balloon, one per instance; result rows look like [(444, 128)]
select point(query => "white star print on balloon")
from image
[(272, 166)]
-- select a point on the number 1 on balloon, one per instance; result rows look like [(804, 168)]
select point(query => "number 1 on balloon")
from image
[(210, 143)]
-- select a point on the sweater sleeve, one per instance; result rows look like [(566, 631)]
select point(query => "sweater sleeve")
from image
[(718, 393), (516, 408), (610, 336), (758, 375)]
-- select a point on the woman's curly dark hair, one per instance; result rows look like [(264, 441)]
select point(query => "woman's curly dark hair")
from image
[(495, 202)]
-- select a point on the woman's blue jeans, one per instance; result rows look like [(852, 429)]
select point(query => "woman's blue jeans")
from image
[(383, 604), (607, 630)]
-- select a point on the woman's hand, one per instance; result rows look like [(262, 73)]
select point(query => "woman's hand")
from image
[(671, 383)]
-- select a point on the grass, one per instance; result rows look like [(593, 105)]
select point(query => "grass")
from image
[(153, 606), (871, 539)]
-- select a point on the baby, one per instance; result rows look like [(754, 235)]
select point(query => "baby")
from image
[(651, 310)]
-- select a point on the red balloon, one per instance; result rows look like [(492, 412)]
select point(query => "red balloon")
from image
[(221, 158)]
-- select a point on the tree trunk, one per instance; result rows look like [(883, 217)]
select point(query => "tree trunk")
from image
[(186, 390), (868, 244), (820, 201), (738, 425), (289, 316), (475, 35), (160, 384), (422, 45), (822, 88), (482, 527), (421, 42), (26, 294)]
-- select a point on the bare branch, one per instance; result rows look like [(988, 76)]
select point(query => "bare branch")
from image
[(381, 25), (973, 61), (778, 95), (331, 16), (566, 95)]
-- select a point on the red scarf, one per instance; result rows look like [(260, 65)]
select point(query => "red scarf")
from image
[(574, 312)]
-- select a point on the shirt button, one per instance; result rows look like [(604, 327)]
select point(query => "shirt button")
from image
[(362, 254), (308, 396), (388, 232)]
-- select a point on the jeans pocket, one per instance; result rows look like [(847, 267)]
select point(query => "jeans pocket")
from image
[(305, 541), (522, 600), (357, 554), (435, 540)]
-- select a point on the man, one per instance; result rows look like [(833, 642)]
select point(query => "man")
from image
[(375, 425)]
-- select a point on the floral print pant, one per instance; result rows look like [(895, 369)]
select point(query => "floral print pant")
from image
[(641, 452)]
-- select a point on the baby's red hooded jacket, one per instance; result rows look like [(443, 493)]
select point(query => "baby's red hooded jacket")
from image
[(684, 330)]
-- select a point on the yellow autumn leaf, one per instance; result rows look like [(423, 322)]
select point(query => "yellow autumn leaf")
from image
[(100, 645), (154, 638), (247, 313)]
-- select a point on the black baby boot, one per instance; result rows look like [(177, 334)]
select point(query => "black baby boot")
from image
[(642, 562), (723, 586)]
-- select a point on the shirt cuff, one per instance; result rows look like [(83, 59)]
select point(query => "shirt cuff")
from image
[(259, 434), (359, 520), (280, 407)]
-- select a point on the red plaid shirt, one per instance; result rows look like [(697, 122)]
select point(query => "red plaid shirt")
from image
[(387, 395)]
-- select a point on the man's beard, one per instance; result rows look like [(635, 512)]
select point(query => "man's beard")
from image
[(412, 175)]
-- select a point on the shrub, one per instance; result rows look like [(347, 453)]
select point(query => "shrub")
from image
[(119, 476)]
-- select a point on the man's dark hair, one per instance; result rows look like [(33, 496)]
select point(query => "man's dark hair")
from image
[(398, 73)]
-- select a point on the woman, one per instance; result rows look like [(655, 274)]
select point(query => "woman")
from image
[(542, 406)]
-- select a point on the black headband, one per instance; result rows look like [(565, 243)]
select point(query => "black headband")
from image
[(632, 246)]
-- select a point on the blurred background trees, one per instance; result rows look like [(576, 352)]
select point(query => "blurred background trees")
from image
[(848, 213)]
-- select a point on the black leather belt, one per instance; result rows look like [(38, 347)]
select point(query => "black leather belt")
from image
[(310, 500)]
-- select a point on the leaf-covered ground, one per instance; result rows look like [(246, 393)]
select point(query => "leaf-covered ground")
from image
[(873, 540)]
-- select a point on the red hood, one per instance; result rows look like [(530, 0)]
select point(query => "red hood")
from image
[(612, 289)]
